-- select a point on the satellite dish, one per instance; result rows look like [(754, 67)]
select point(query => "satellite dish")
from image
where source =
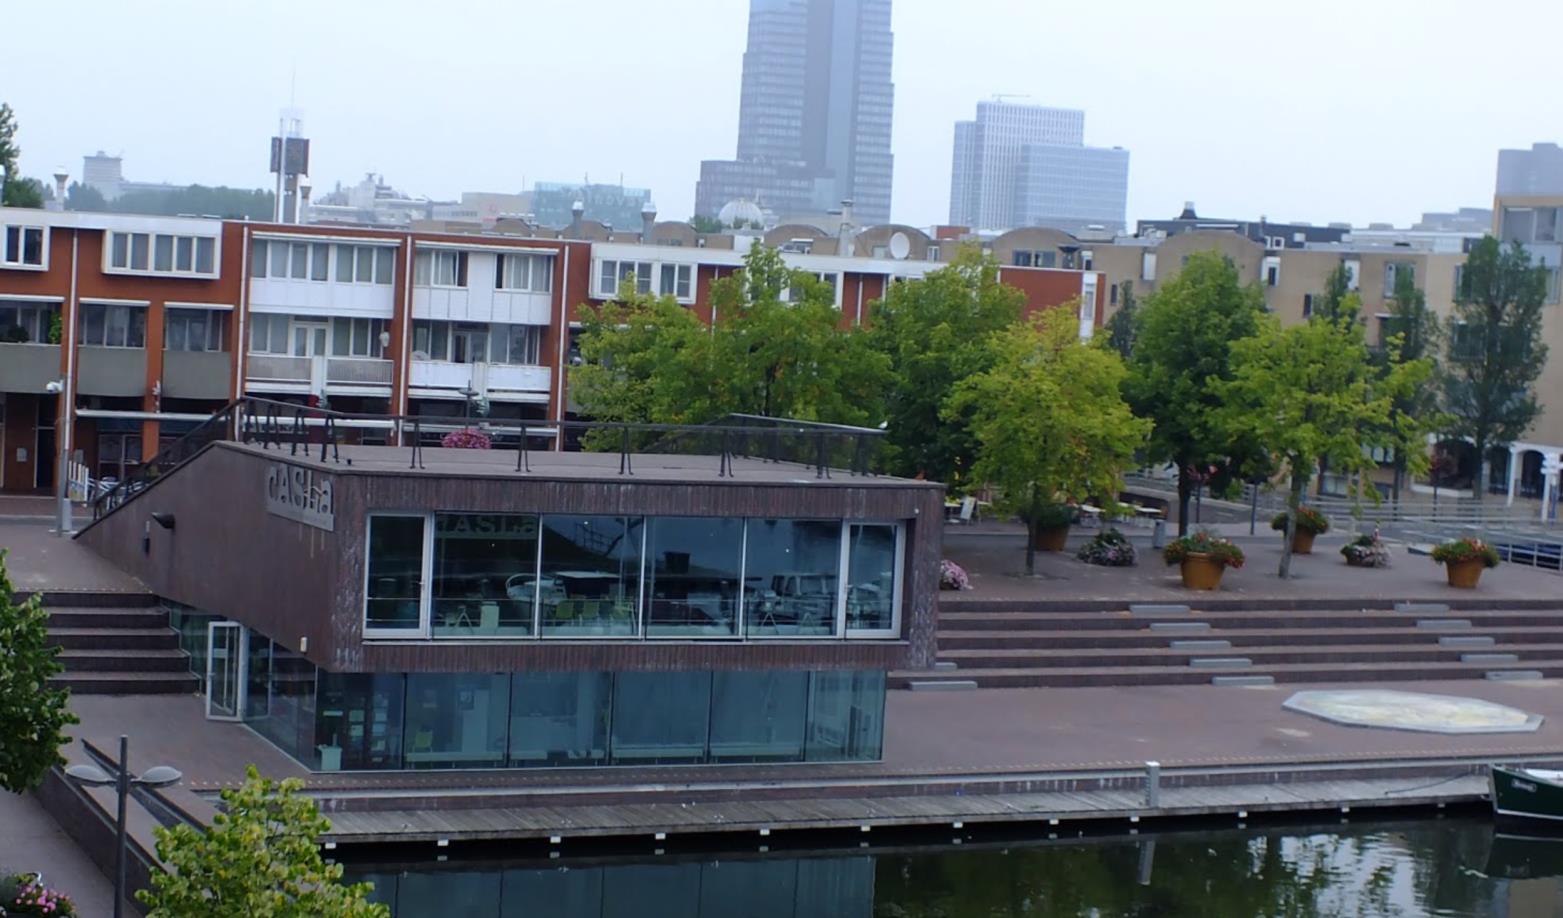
[(900, 246)]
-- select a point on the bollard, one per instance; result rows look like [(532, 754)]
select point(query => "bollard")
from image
[(1147, 861), (1159, 534), (1152, 785)]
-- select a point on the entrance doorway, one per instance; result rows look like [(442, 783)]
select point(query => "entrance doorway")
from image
[(225, 665)]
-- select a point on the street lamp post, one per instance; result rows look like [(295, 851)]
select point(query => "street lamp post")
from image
[(62, 484), (93, 776)]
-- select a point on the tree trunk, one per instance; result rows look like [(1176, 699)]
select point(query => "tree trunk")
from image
[(1183, 502), (1479, 486), (1400, 472), (1031, 534), (1293, 502)]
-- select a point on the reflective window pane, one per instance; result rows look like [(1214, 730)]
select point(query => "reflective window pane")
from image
[(871, 592), (163, 253), (205, 255), (560, 718), (692, 564), (359, 722), (456, 720), (485, 574), (846, 716), (395, 585), (791, 572), (660, 717), (758, 716), (590, 580)]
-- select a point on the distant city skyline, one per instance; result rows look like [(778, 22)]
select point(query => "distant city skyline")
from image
[(657, 88)]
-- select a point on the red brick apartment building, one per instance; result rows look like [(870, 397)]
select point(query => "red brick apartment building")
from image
[(120, 332)]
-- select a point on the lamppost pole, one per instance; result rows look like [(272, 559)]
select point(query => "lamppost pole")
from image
[(93, 776), (122, 788)]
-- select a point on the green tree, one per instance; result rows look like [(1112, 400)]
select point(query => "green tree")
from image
[(1413, 334), (1182, 354), (1309, 393), (33, 714), (1050, 418), (1495, 350), (15, 191), (85, 197), (935, 332), (229, 203), (703, 224), (259, 859), (1121, 327), (1338, 300)]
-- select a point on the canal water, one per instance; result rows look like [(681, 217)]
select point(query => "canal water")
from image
[(1446, 867)]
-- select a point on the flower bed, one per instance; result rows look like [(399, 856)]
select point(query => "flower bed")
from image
[(952, 576), (1466, 549), (1309, 520), (1222, 551), (24, 894), (1109, 549)]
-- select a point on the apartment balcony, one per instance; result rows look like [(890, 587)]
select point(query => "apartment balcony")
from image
[(111, 371), (197, 374), (28, 367), (494, 381), (313, 375)]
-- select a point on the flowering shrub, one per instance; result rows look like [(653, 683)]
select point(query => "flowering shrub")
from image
[(467, 438), (952, 576), (1109, 549), (1222, 551), (23, 894), (1466, 549), (1308, 520), (1366, 551)]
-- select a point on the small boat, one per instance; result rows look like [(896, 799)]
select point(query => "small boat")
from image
[(1527, 793)]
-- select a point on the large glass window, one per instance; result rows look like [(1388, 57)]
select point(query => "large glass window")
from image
[(661, 717), (288, 718), (485, 574), (359, 725), (791, 576), (590, 580), (456, 720), (25, 322), (395, 588), (111, 325), (846, 716), (194, 330), (871, 577), (693, 567), (758, 716), (560, 718)]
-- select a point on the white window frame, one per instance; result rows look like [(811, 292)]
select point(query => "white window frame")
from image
[(267, 319), (457, 262), (14, 260), (215, 331), (81, 324), (1148, 266), (1272, 271), (683, 274), (346, 256), (423, 631), (894, 631), (540, 273), (645, 272), (112, 237)]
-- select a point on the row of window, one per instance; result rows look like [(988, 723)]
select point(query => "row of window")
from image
[(303, 336), (468, 342), (26, 323), (23, 246), (464, 575), (163, 253), (313, 261), (676, 281), (521, 272)]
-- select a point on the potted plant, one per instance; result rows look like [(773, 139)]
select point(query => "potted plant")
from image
[(1203, 558), (1310, 523), (952, 576), (1366, 551), (466, 438), (1049, 525), (1109, 549), (1465, 559)]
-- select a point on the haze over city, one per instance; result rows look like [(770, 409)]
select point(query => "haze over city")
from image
[(1327, 111)]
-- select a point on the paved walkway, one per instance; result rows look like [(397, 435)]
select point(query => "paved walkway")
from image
[(994, 556), (30, 840), (39, 559)]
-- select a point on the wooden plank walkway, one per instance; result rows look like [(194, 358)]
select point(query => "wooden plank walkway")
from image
[(854, 813)]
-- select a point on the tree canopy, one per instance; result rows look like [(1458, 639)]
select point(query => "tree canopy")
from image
[(33, 714), (935, 332), (259, 859), (1495, 351), (1413, 334), (1184, 336), (1120, 328), (1049, 417), (15, 191)]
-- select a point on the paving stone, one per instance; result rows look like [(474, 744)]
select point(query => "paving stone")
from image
[(942, 685), (1202, 645), (1467, 640), (1489, 658), (944, 666), (1242, 680), (1449, 624), (1422, 608), (1514, 675), (1180, 626), (1156, 608), (1221, 662)]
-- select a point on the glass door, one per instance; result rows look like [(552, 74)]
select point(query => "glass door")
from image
[(469, 344), (225, 665), (309, 339), (872, 585)]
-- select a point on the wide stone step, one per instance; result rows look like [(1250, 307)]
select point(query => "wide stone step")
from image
[(1160, 626), (1221, 662), (1201, 645), (1242, 680), (82, 599), (942, 685), (1467, 640), (1549, 668), (1514, 675), (1123, 620), (109, 617), (1444, 624), (1158, 633), (90, 683), (1489, 658), (114, 638), (975, 661), (122, 660)]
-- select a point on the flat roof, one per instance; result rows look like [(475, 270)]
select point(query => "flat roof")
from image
[(548, 465)]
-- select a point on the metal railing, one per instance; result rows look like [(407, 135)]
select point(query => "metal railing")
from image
[(220, 426)]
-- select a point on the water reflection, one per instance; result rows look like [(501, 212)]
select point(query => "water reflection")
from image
[(1442, 868)]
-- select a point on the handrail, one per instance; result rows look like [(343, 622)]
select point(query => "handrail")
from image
[(167, 459)]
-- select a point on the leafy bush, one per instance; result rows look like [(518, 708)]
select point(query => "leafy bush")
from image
[(1308, 520), (1366, 551), (23, 894), (1110, 549), (1222, 551), (467, 438), (952, 576), (1466, 549), (1049, 516)]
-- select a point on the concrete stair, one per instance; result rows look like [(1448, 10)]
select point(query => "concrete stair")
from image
[(1013, 648), (123, 649)]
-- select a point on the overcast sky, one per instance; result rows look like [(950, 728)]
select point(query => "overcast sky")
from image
[(1313, 110)]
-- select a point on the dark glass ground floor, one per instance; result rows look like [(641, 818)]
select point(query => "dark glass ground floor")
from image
[(384, 721)]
